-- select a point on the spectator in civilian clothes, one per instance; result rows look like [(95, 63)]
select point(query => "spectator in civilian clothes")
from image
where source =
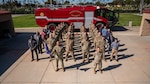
[(100, 27), (33, 47), (115, 46), (38, 39), (43, 37), (110, 40), (104, 32)]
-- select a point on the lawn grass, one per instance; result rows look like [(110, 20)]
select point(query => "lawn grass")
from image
[(29, 20), (124, 19), (24, 21)]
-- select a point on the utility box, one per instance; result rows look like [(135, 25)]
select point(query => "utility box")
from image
[(130, 24)]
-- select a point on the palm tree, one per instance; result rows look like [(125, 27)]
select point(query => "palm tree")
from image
[(3, 1), (24, 2)]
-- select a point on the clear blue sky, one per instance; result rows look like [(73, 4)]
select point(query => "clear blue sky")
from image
[(72, 1), (77, 1)]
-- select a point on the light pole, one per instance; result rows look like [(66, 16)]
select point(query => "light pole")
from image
[(51, 2), (141, 6)]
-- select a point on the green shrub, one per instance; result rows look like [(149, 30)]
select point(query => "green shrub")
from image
[(23, 11)]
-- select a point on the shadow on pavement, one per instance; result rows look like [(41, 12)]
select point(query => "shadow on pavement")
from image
[(121, 50), (77, 66), (111, 67), (121, 45), (11, 49), (77, 50), (44, 58), (118, 28), (125, 56), (78, 57), (84, 69)]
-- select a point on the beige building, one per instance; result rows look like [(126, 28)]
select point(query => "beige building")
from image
[(145, 23), (6, 24)]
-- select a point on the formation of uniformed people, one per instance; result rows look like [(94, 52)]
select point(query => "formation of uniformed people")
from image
[(102, 39)]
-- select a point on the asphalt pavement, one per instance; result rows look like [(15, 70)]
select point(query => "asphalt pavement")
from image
[(11, 49)]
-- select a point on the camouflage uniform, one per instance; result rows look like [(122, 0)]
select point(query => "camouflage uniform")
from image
[(84, 36), (82, 29), (102, 47), (97, 40), (91, 29), (69, 47), (97, 61), (85, 49), (50, 42), (58, 53)]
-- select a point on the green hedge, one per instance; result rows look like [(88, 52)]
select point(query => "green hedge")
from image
[(127, 11), (23, 11)]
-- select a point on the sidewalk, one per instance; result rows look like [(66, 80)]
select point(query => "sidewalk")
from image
[(133, 66)]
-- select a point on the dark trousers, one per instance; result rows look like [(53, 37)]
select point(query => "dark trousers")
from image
[(39, 48), (32, 52)]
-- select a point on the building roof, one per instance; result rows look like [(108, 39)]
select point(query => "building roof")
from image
[(146, 10), (4, 12)]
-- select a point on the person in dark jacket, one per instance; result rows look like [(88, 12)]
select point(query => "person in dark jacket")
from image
[(38, 38), (33, 47), (110, 40)]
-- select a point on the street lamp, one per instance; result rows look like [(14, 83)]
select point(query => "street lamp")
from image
[(141, 6)]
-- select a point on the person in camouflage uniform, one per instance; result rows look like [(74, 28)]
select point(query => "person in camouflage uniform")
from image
[(97, 40), (83, 35), (85, 44), (69, 47), (82, 28), (50, 42), (97, 60), (102, 47), (58, 51)]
